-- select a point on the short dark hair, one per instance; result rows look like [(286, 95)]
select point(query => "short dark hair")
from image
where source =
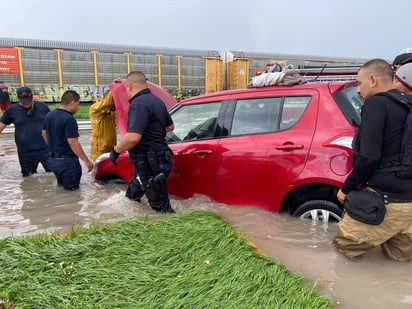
[(136, 78), (69, 96), (379, 66)]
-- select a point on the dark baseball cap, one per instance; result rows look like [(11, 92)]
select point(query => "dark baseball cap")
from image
[(25, 95), (402, 59)]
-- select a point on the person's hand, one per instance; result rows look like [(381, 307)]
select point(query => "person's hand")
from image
[(113, 156), (341, 196), (89, 165)]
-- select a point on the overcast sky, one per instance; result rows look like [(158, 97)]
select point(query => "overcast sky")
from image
[(339, 28)]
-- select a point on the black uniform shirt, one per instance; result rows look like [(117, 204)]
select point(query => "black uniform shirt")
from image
[(148, 116)]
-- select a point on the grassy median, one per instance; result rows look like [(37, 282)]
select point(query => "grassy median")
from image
[(189, 260), (82, 113)]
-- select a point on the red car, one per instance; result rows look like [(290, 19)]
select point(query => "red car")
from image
[(281, 148)]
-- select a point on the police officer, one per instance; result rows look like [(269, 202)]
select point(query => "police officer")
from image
[(28, 117), (61, 132), (147, 123)]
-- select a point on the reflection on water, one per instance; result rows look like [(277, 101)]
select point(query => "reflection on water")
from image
[(36, 204)]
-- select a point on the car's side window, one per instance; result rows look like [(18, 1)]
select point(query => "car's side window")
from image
[(293, 109), (256, 116), (193, 122), (265, 115)]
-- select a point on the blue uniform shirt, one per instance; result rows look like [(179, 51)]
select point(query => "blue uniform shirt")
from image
[(60, 125), (27, 133), (148, 116)]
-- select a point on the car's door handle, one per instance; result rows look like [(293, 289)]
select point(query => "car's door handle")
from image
[(202, 152), (289, 146)]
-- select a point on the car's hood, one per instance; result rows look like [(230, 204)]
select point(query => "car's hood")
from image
[(121, 101)]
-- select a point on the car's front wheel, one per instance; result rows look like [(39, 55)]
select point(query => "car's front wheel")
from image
[(319, 210)]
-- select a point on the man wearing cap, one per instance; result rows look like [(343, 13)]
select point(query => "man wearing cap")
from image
[(27, 117), (403, 79), (401, 60)]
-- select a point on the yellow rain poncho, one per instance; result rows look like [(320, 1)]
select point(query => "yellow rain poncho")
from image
[(102, 118)]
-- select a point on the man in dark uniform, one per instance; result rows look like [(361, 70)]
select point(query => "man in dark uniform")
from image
[(147, 123), (27, 117), (61, 132)]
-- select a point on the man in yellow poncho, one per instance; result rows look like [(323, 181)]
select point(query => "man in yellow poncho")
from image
[(102, 118)]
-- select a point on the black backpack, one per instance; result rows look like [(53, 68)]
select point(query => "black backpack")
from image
[(403, 163)]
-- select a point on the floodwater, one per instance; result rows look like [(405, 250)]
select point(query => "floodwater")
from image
[(36, 204)]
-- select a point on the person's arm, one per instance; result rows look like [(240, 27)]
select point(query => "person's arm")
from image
[(129, 140), (2, 126), (44, 135), (107, 104), (367, 161), (78, 150)]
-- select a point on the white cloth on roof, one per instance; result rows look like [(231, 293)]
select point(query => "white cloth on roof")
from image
[(267, 79), (286, 77)]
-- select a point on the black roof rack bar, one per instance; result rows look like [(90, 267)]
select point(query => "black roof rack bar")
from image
[(302, 66), (345, 70)]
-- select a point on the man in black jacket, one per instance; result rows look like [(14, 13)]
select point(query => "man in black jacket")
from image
[(380, 137)]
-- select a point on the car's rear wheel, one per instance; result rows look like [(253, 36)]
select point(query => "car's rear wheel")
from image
[(319, 210)]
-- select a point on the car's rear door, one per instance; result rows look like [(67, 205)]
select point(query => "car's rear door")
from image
[(257, 161)]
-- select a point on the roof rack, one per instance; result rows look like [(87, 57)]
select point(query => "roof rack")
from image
[(329, 73), (303, 74)]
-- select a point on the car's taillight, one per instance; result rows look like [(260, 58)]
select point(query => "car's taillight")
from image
[(101, 158), (344, 141)]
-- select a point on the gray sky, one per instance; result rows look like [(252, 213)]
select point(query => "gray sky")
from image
[(339, 28)]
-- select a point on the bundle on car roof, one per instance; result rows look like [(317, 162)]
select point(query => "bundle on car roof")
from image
[(280, 73)]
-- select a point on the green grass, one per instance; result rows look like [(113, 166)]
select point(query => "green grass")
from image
[(82, 113), (189, 260)]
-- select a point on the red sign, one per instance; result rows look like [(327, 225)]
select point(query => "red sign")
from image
[(9, 61)]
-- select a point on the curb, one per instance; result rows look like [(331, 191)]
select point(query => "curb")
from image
[(83, 125)]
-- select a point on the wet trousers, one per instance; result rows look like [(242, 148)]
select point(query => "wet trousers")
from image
[(394, 234), (141, 179), (29, 161), (68, 172)]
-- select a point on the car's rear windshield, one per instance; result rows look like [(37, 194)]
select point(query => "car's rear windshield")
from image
[(350, 102)]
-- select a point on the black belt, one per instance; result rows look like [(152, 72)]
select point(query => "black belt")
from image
[(60, 156), (159, 154)]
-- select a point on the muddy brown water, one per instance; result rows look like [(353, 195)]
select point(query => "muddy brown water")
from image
[(36, 204)]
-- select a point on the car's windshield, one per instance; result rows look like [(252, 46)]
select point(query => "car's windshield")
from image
[(350, 102)]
